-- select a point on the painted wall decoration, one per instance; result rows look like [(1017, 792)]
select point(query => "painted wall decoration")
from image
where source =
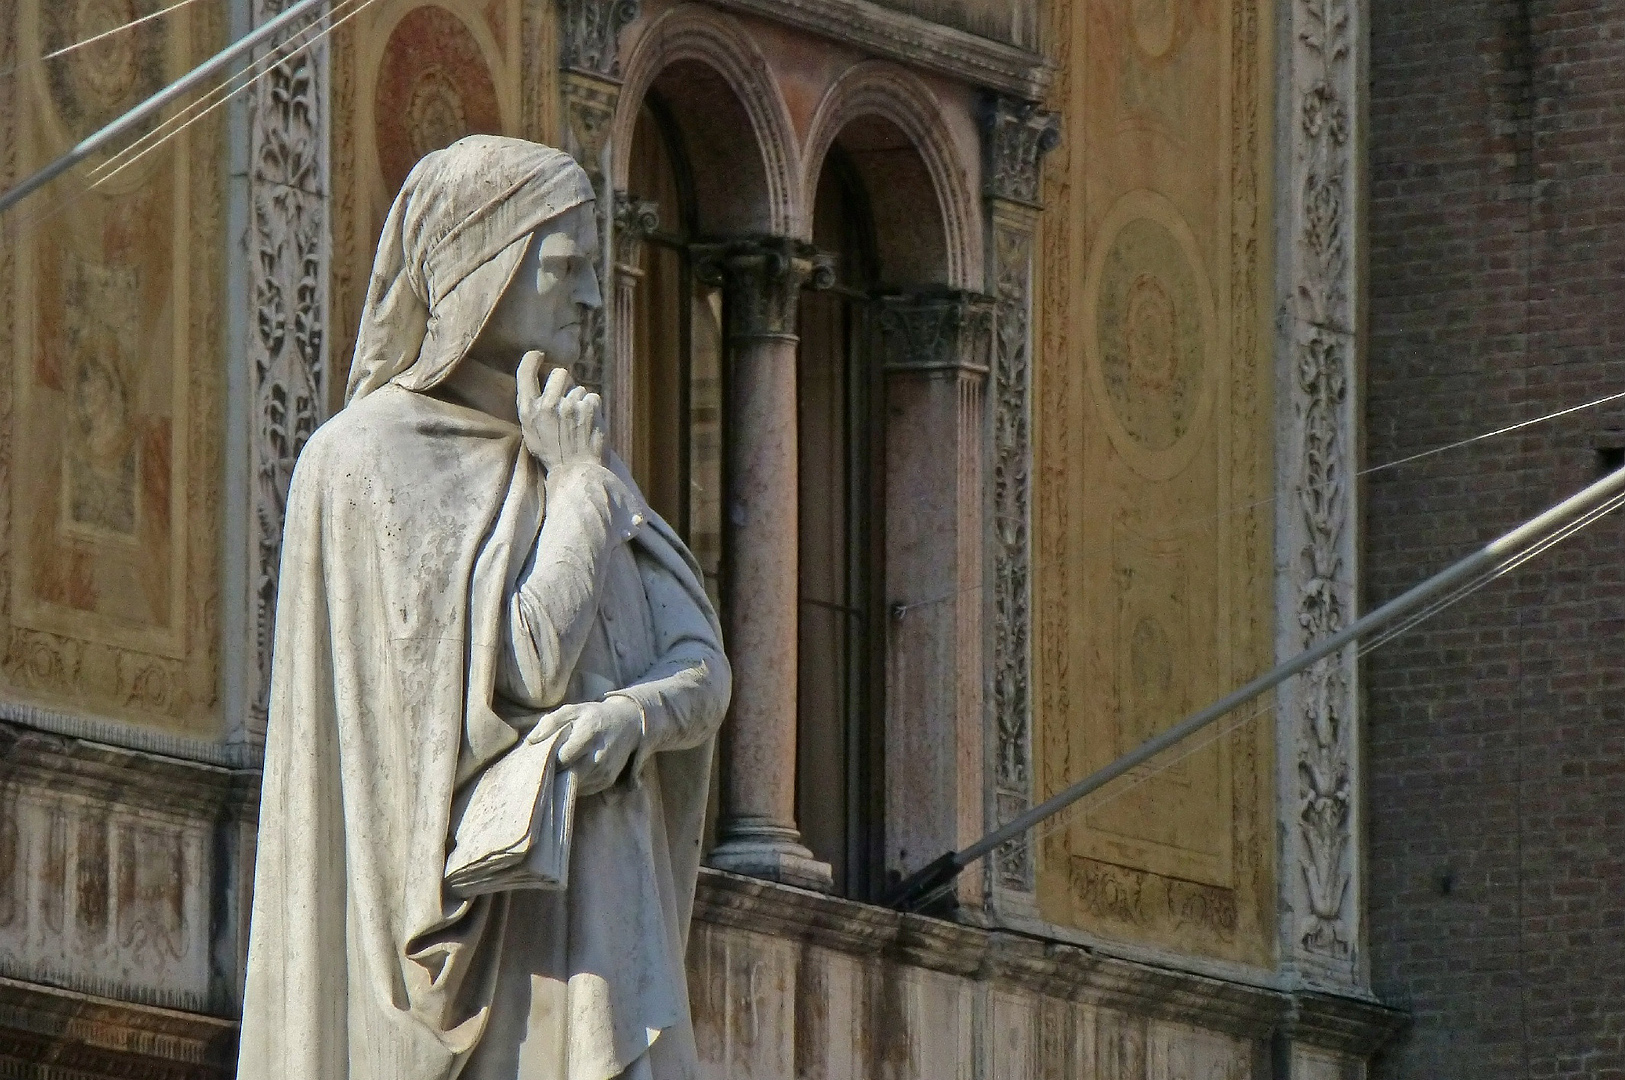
[(110, 384), (1153, 425)]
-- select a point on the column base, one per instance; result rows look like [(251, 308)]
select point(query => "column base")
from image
[(774, 852)]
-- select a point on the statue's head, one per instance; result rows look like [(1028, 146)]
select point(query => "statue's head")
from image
[(487, 252), (543, 305)]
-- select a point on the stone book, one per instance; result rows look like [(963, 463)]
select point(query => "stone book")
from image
[(514, 831)]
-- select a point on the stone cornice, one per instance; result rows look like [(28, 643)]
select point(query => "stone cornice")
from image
[(1057, 969), (83, 1035), (909, 39), (132, 778)]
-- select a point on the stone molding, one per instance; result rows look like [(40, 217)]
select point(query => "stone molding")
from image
[(83, 1037), (764, 275), (1318, 404), (909, 39), (1015, 137), (878, 88), (1069, 972), (691, 31), (130, 736), (289, 250)]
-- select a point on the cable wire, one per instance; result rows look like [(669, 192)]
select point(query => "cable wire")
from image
[(66, 49)]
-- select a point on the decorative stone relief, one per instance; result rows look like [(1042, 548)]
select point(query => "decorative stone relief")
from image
[(589, 88), (111, 874), (588, 32), (1316, 467), (947, 332), (1015, 137), (287, 347)]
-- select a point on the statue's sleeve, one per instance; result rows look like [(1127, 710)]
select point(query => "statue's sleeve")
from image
[(684, 694), (550, 611)]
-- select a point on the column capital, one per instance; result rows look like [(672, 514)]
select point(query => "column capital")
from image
[(589, 34), (763, 276), (635, 219), (937, 331), (1016, 135)]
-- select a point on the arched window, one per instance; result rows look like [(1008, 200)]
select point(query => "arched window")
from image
[(675, 444), (839, 750)]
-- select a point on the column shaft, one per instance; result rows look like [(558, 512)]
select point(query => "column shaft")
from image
[(758, 827)]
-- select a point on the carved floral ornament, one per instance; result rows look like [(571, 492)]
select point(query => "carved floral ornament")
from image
[(1015, 136), (287, 275), (588, 33), (1320, 714)]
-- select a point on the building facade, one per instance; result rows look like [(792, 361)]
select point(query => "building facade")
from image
[(1011, 368)]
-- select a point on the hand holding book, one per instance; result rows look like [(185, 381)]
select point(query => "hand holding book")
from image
[(599, 738), (513, 825)]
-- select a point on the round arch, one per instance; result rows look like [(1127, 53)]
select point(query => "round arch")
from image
[(690, 33), (877, 89)]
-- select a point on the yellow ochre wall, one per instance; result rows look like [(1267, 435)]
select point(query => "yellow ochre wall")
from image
[(111, 319), (1154, 453)]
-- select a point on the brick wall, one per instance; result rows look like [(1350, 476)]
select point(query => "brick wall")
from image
[(1496, 732)]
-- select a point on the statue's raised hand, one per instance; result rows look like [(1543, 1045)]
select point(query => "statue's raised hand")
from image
[(563, 424)]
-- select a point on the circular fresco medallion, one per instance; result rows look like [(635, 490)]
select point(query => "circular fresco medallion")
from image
[(1150, 313), (434, 87), (1154, 23), (95, 83)]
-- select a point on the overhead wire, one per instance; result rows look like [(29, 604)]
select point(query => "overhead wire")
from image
[(220, 94), (1087, 807), (197, 109), (103, 36)]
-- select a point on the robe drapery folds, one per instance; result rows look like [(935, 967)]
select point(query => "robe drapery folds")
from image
[(437, 596)]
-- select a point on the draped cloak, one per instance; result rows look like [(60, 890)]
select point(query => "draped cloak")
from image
[(437, 596)]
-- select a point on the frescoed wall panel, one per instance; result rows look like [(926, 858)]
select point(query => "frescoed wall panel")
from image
[(1154, 441), (410, 77), (109, 593)]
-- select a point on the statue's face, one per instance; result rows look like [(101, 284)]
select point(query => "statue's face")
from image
[(543, 307)]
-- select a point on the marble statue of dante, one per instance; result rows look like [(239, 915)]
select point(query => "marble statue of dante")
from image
[(463, 568)]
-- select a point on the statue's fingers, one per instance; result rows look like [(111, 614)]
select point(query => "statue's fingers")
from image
[(553, 722), (529, 376), (558, 381)]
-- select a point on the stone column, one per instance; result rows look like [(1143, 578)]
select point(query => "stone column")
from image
[(757, 831), (1319, 83), (282, 377), (935, 351), (589, 90), (634, 220), (1015, 136)]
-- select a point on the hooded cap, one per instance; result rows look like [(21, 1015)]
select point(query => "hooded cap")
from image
[(452, 243)]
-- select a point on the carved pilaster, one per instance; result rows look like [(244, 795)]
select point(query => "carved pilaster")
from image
[(589, 89), (635, 219), (1316, 469), (1015, 137), (289, 243)]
